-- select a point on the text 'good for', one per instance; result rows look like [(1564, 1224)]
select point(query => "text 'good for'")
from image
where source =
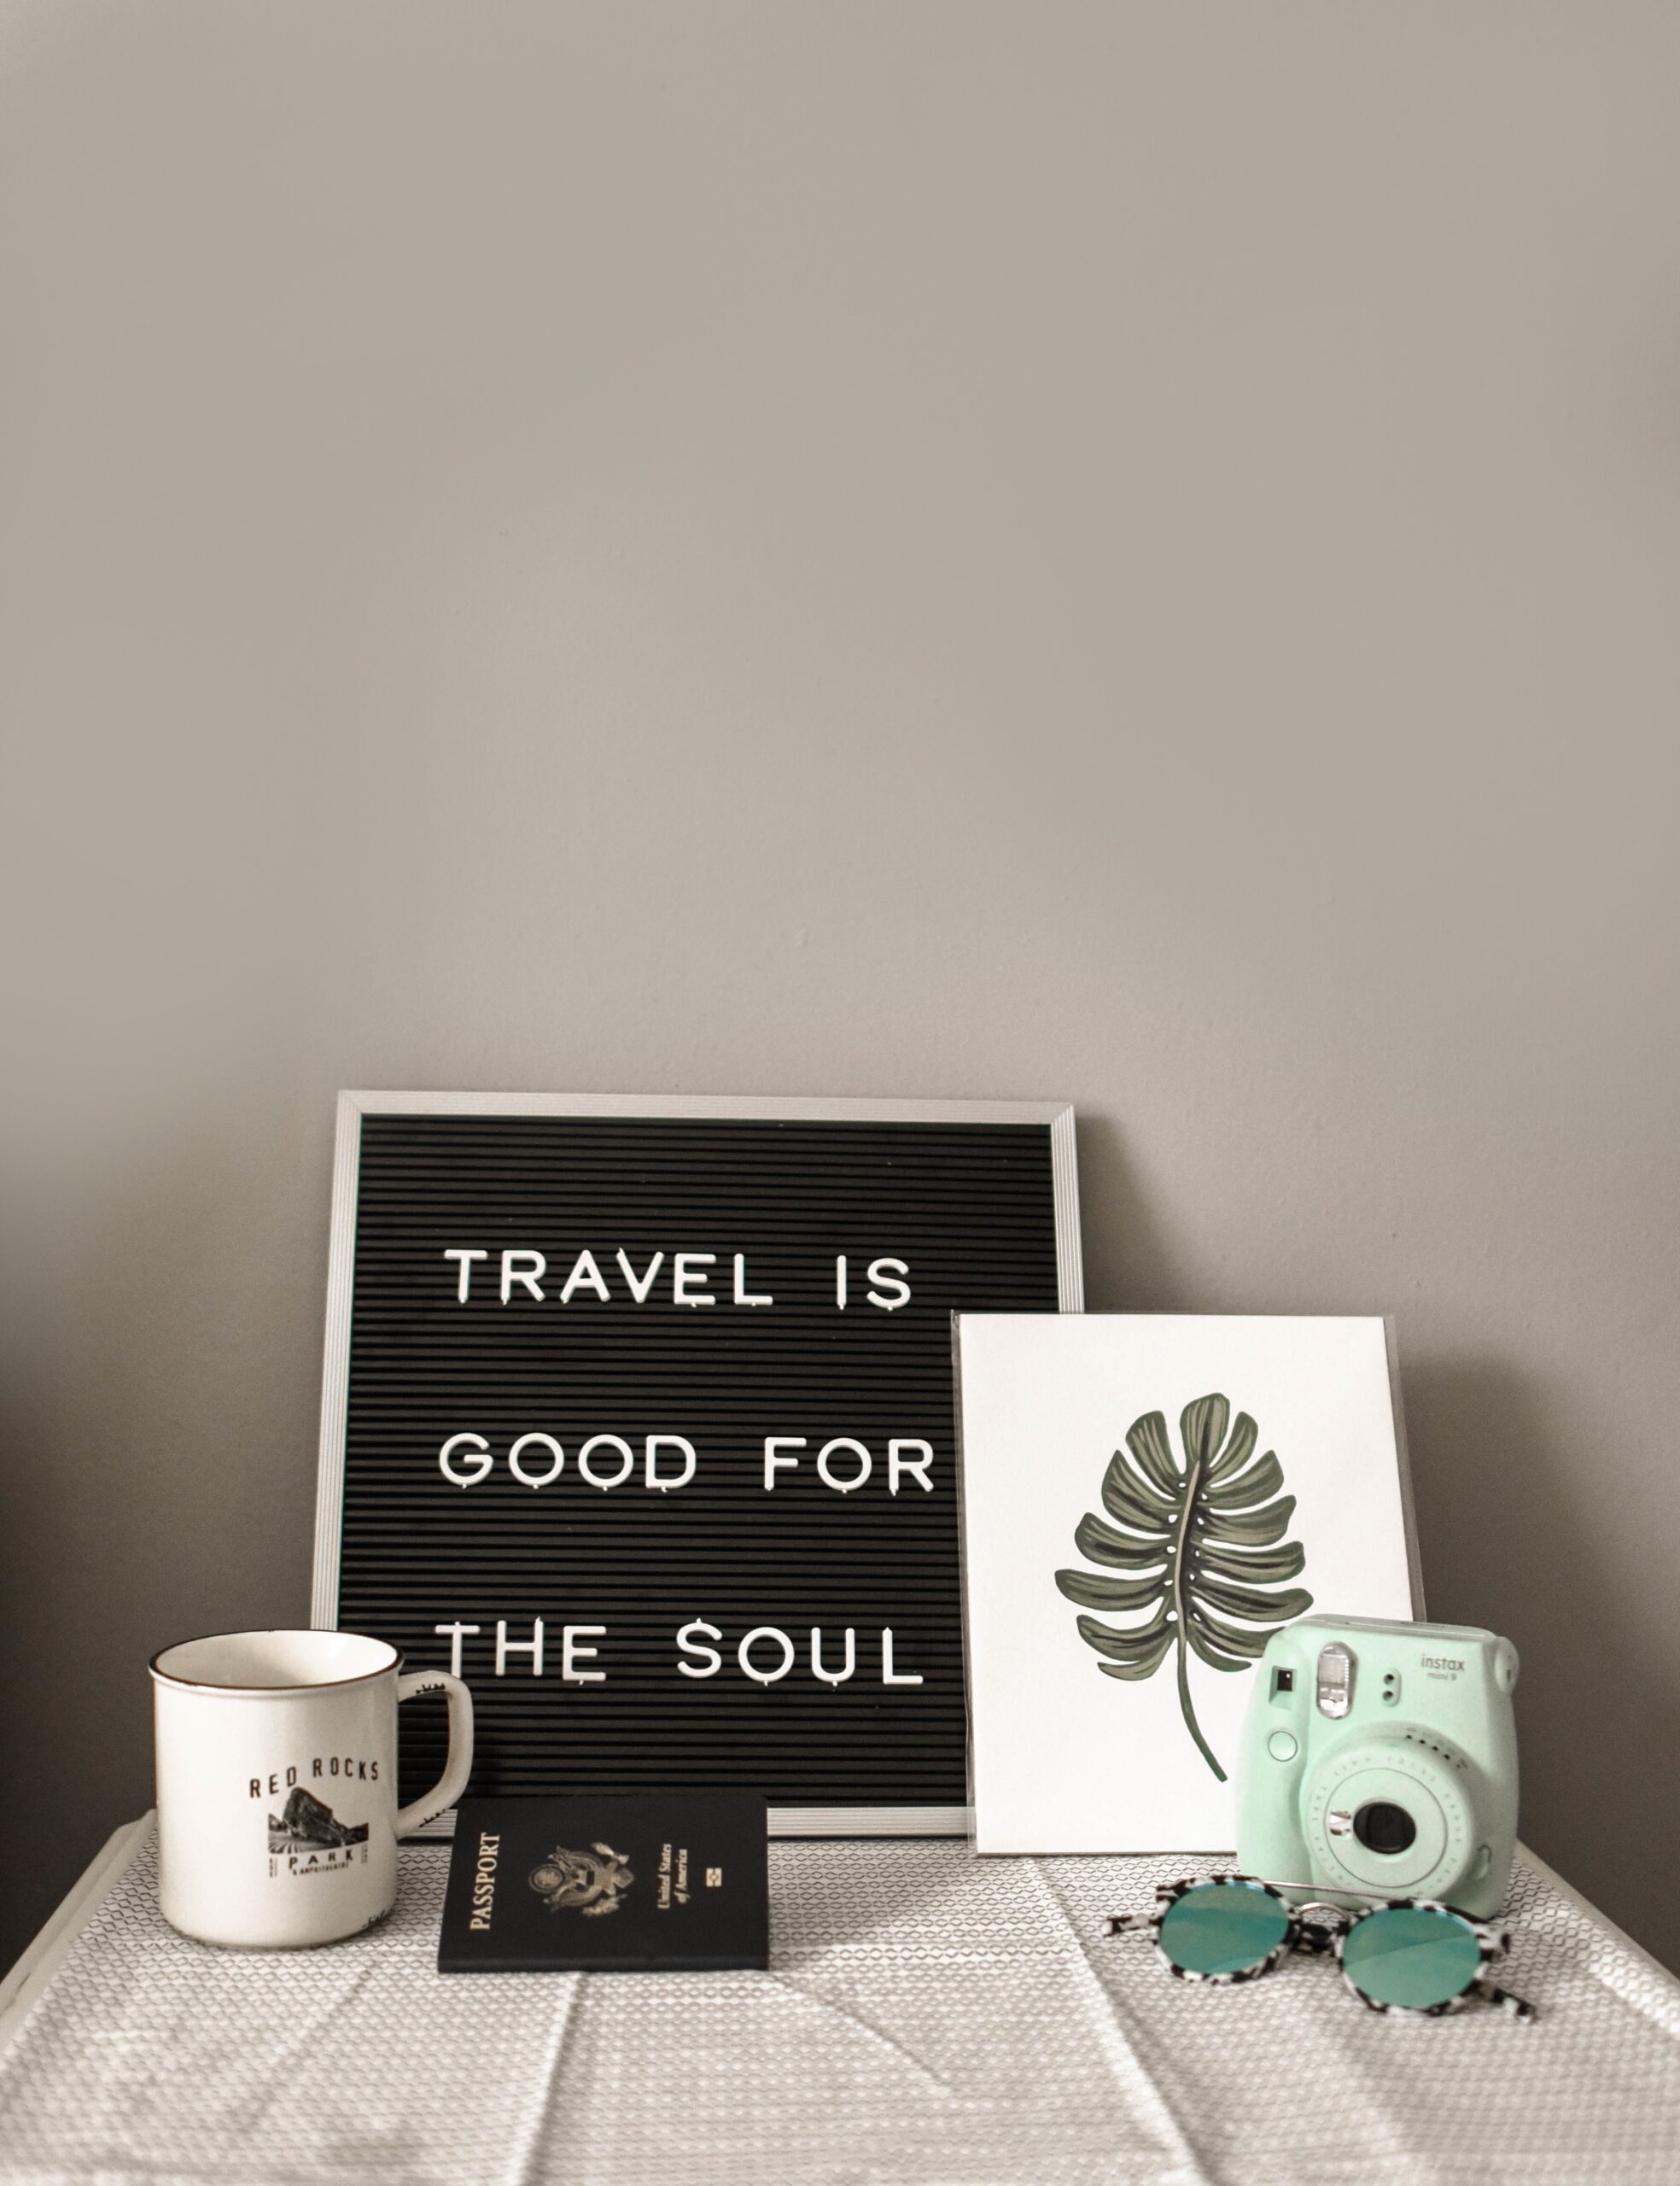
[(842, 1463)]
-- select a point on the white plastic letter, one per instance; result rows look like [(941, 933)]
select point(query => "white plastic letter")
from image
[(480, 1460), (742, 1295), (530, 1275), (650, 1459), (832, 1677), (840, 1282), (613, 1441), (773, 1462), (640, 1289), (453, 1633), (681, 1276), (888, 1676), (571, 1654), (744, 1654), (699, 1647), (532, 1647), (585, 1276), (466, 1256), (915, 1467), (536, 1479), (881, 1281), (843, 1486)]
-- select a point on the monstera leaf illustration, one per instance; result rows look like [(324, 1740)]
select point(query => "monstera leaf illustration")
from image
[(1202, 1546)]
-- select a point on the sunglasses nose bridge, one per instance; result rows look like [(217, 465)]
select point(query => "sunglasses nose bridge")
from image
[(1320, 1910), (1320, 1925)]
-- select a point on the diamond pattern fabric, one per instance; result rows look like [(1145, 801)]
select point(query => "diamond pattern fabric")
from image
[(930, 2018)]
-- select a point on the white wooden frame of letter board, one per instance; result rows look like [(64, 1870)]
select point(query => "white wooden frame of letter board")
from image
[(784, 1821)]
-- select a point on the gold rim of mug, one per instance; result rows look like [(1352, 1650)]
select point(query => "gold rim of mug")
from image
[(272, 1632)]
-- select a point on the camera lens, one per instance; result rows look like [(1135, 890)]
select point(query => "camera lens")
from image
[(1382, 1828)]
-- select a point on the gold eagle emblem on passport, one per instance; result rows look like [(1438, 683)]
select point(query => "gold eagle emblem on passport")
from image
[(591, 1882)]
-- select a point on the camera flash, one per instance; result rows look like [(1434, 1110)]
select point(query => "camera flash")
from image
[(1335, 1680)]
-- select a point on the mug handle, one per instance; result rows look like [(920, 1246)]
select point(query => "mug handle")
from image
[(458, 1766)]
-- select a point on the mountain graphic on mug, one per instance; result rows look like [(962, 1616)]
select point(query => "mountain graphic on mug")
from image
[(308, 1821)]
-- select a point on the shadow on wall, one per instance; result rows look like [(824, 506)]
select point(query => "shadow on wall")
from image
[(1502, 1546), (157, 1461), (1129, 1264)]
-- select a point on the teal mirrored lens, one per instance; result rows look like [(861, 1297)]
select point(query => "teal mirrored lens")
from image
[(1406, 1954), (1223, 1927)]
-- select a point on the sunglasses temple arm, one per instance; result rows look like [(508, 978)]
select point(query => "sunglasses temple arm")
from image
[(1491, 1993)]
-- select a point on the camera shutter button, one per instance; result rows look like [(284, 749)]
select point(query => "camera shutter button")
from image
[(1282, 1746)]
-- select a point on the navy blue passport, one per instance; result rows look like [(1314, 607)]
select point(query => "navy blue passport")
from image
[(677, 1883)]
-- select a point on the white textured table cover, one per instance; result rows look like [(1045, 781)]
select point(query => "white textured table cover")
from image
[(929, 2017)]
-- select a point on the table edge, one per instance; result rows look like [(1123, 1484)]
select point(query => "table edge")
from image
[(1600, 1919), (42, 1958)]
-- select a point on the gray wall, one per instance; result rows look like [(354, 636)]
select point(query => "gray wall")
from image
[(1126, 553)]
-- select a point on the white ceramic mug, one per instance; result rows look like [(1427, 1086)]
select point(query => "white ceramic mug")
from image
[(276, 1783)]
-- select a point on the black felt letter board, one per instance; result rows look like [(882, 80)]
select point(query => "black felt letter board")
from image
[(671, 1301)]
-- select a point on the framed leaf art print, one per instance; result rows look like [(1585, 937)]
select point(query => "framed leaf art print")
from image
[(1200, 1537), (1147, 1499)]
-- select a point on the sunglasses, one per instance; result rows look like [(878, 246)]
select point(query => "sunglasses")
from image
[(1399, 1954)]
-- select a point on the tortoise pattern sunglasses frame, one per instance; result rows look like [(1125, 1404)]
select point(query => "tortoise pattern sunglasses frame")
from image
[(1316, 1928)]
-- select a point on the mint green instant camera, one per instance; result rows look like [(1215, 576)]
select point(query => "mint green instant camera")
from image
[(1381, 1759)]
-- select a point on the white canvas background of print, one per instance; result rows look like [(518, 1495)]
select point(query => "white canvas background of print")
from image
[(1065, 1759)]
